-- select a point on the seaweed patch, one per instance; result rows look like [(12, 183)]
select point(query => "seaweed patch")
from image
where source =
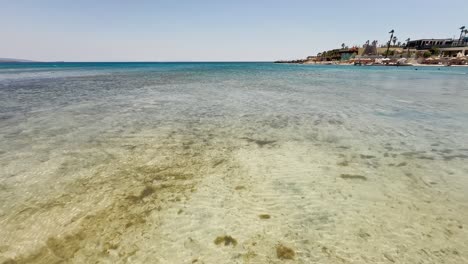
[(353, 177), (367, 156), (264, 216), (226, 240), (283, 252), (259, 142)]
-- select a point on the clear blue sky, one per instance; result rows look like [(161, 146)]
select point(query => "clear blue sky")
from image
[(209, 30)]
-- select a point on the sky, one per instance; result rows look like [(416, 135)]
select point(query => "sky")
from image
[(212, 30)]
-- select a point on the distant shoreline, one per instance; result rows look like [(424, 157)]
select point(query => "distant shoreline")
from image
[(11, 60), (330, 63)]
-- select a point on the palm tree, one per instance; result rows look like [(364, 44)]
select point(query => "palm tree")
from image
[(343, 45), (388, 44), (461, 33), (394, 40), (407, 45)]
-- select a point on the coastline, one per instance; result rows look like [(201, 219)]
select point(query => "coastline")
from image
[(338, 63)]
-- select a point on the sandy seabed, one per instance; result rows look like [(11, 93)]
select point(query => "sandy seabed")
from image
[(327, 201)]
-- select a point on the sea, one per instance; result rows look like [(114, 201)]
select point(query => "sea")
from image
[(233, 163)]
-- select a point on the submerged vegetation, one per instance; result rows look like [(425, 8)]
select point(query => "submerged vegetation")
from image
[(353, 177), (283, 252), (226, 240), (264, 216)]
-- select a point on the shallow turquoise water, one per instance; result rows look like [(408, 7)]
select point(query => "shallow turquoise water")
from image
[(81, 142)]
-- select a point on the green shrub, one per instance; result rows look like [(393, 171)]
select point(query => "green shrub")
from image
[(434, 51)]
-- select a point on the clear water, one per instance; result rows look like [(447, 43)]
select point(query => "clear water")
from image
[(165, 162)]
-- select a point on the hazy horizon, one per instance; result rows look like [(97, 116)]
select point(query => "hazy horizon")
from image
[(192, 31), (135, 61)]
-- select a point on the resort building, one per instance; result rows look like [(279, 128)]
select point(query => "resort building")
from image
[(447, 47), (426, 44)]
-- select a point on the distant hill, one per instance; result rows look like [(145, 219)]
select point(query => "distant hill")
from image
[(4, 60)]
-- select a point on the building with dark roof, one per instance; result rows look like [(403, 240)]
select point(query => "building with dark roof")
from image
[(447, 47), (425, 44)]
